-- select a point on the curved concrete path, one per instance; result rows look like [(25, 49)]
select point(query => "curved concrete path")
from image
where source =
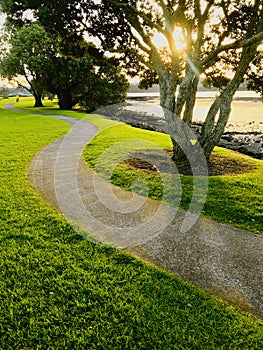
[(218, 258)]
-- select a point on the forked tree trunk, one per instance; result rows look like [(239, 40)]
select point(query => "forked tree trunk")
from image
[(178, 113)]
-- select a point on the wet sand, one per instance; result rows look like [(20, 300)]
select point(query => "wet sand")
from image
[(246, 114)]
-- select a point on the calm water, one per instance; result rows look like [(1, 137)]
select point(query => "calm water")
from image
[(246, 114)]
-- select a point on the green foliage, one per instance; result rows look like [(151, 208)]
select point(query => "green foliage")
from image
[(68, 78), (30, 56), (59, 291), (147, 79), (254, 77), (69, 71), (53, 14), (30, 48), (215, 78), (88, 81), (108, 85)]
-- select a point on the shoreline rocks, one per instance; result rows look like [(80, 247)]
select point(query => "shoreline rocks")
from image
[(248, 143)]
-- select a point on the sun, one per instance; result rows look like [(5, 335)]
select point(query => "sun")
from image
[(160, 40), (179, 39)]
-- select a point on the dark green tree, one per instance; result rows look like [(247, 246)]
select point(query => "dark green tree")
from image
[(87, 81), (106, 85), (67, 79), (29, 56), (76, 71), (82, 74)]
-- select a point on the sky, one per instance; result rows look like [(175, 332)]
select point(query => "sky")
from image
[(2, 19)]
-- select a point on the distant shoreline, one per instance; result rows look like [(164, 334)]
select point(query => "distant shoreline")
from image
[(246, 114), (241, 94)]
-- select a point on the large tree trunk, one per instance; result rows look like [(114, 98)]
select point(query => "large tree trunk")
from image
[(65, 100), (38, 99), (168, 87), (178, 113)]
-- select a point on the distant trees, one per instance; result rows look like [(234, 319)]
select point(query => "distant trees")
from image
[(3, 92), (202, 40), (76, 72), (29, 56), (87, 80)]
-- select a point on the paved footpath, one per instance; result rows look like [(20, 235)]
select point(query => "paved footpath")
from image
[(221, 259)]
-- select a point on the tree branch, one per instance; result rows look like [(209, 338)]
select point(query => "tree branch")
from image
[(235, 45), (141, 14), (201, 26), (141, 45)]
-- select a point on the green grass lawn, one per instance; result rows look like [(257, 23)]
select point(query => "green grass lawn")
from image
[(59, 291), (233, 199)]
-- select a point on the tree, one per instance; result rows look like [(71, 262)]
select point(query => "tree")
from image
[(204, 39), (81, 74), (106, 85), (86, 80), (29, 56), (67, 79), (76, 71)]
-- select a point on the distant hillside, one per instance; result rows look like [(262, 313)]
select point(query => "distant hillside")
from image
[(134, 88), (8, 92)]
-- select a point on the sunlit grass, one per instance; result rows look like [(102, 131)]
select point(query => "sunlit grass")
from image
[(59, 291), (51, 107), (233, 199)]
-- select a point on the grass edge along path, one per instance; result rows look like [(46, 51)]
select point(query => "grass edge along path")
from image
[(231, 199), (59, 291), (234, 199)]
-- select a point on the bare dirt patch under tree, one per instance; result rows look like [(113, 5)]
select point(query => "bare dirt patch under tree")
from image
[(155, 161)]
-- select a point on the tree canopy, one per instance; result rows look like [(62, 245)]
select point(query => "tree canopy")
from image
[(75, 71), (29, 56)]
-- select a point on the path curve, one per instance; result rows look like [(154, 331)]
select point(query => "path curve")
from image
[(218, 258)]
